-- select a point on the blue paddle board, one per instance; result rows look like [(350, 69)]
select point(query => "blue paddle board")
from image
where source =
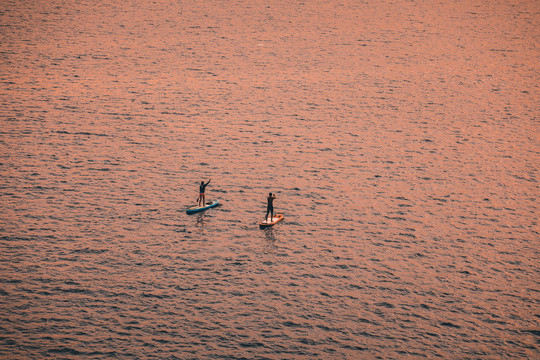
[(196, 209)]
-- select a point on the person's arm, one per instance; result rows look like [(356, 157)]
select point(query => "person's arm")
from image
[(208, 182)]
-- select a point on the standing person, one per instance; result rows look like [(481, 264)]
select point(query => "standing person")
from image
[(202, 188), (270, 206)]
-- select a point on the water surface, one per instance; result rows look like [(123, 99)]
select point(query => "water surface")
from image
[(401, 140)]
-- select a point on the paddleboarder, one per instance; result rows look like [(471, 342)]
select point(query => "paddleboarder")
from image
[(202, 188), (270, 206)]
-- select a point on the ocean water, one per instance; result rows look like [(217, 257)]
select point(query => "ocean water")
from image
[(400, 138)]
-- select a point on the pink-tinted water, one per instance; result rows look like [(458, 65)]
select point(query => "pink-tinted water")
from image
[(400, 137)]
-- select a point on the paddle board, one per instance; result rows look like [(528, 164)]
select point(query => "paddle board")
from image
[(269, 222), (195, 209)]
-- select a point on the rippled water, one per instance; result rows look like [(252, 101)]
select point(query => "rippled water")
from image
[(400, 137)]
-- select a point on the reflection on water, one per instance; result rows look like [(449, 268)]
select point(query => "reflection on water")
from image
[(270, 241), (269, 234), (397, 135), (200, 221)]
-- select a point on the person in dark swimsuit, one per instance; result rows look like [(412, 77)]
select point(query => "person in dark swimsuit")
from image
[(202, 199), (270, 206)]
